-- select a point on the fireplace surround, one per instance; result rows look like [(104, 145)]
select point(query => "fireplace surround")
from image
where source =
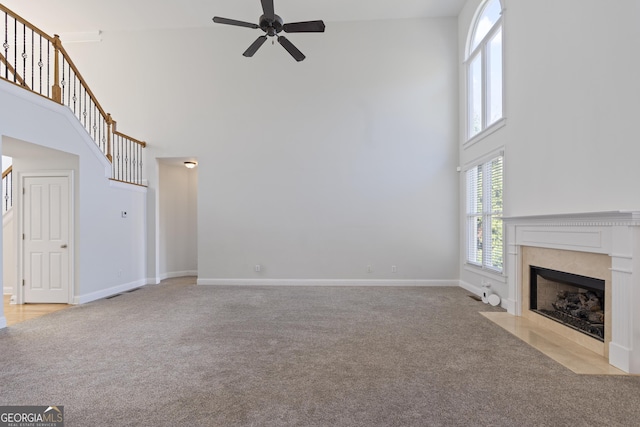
[(605, 246), (587, 264)]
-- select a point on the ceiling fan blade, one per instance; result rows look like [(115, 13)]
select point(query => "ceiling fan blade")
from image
[(267, 8), (255, 46), (297, 55), (219, 20), (304, 27)]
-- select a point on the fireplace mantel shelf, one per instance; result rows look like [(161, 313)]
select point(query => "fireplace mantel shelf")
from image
[(610, 218)]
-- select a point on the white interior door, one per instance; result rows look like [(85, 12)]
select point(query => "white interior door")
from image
[(46, 239)]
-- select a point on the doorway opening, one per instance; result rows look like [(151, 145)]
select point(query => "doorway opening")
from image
[(177, 227)]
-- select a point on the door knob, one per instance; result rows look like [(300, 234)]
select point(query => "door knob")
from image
[(63, 246)]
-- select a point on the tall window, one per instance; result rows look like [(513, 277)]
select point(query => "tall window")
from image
[(484, 215), (484, 69)]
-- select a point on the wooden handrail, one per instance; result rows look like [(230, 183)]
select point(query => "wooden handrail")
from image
[(58, 48), (26, 23), (81, 79), (13, 71), (57, 43), (98, 123), (7, 172), (113, 129)]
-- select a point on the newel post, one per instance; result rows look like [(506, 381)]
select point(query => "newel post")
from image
[(110, 129), (56, 91)]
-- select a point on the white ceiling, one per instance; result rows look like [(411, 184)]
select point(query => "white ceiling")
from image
[(68, 16)]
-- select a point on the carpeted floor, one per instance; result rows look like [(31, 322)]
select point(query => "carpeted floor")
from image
[(178, 354)]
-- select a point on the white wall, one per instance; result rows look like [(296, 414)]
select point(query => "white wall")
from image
[(314, 170), (9, 276), (178, 220), (8, 237), (571, 105), (109, 250), (6, 162)]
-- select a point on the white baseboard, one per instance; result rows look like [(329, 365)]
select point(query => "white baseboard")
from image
[(509, 305), (7, 291), (325, 282), (94, 296), (476, 290), (153, 280), (174, 274), (620, 357)]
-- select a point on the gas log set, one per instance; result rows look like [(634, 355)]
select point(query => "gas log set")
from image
[(573, 300), (582, 310)]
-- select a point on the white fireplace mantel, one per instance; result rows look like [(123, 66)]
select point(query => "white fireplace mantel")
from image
[(616, 234)]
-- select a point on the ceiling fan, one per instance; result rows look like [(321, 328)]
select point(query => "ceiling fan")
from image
[(272, 25)]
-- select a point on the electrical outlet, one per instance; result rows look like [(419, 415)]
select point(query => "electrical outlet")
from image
[(124, 214), (369, 269), (394, 269), (258, 267)]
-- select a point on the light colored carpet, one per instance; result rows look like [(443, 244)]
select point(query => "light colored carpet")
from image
[(181, 354)]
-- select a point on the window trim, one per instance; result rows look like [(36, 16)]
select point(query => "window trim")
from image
[(491, 274), (498, 124), (482, 49)]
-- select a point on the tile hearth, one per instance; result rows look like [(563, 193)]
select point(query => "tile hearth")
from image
[(572, 356)]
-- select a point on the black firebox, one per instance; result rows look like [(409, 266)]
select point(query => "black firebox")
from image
[(573, 300)]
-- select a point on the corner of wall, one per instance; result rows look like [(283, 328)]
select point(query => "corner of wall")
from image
[(104, 293), (476, 290)]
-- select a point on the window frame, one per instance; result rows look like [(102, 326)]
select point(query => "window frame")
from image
[(486, 214), (483, 50)]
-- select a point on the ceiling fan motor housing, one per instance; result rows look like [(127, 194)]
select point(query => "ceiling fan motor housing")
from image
[(271, 26)]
